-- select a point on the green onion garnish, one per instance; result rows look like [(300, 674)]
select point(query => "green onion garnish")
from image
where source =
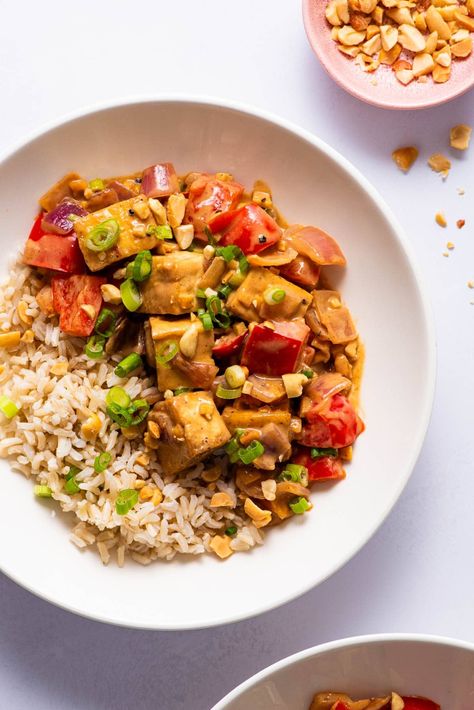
[(94, 348), (8, 407), (237, 278), (231, 531), (131, 296), (167, 351), (105, 324), (321, 453), (206, 320), (210, 237), (103, 236), (200, 293), (251, 452), (126, 500), (307, 372), (102, 461), (128, 365), (117, 395), (235, 376), (138, 411), (43, 491), (71, 487), (213, 305), (228, 253), (119, 415), (163, 231), (181, 390), (225, 393), (224, 291), (141, 266), (243, 265), (299, 505), (294, 472), (72, 471), (273, 295), (96, 184)]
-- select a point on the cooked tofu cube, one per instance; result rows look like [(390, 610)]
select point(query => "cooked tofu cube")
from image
[(192, 428), (248, 303), (170, 331), (171, 288), (132, 237)]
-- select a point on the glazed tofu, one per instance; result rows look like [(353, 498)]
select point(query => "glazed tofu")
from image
[(132, 237), (247, 301), (192, 428), (164, 331), (171, 288)]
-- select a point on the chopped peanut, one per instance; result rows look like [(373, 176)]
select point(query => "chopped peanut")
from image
[(10, 340), (220, 544), (460, 136), (23, 316), (440, 219), (221, 500), (111, 294), (146, 493), (259, 516), (28, 336), (91, 427), (269, 489), (460, 223), (157, 497), (143, 460), (211, 474), (439, 163), (405, 157), (59, 368)]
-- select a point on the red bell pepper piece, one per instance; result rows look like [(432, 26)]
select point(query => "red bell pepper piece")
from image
[(160, 180), (72, 292), (275, 352), (53, 251), (339, 705), (228, 345), (250, 228), (326, 468), (332, 423), (301, 271), (413, 703), (208, 197)]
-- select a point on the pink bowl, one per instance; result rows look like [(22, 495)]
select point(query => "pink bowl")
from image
[(380, 88)]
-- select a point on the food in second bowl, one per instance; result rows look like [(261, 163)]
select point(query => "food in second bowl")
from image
[(392, 701), (416, 39), (177, 370)]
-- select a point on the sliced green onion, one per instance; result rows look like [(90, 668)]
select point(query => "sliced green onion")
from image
[(210, 237), (117, 395), (119, 415), (321, 453), (126, 500), (94, 348), (131, 296), (243, 265), (71, 486), (224, 291), (200, 293), (141, 267), (273, 295), (105, 323), (181, 390), (231, 531), (103, 236), (294, 472), (72, 471), (235, 376), (167, 351), (163, 231), (206, 320), (102, 461), (8, 407), (213, 305), (225, 393), (43, 491), (233, 446), (222, 320), (307, 372), (229, 252), (237, 278), (96, 185), (138, 411), (299, 505), (251, 452), (128, 365)]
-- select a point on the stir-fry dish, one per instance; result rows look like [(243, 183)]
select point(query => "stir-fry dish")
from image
[(392, 701), (176, 369)]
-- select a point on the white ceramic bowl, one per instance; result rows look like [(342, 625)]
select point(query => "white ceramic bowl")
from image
[(311, 184), (437, 668)]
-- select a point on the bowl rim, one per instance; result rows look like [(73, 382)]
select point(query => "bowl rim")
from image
[(351, 641), (418, 105), (425, 306)]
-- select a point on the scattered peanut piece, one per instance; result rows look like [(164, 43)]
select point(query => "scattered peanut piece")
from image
[(450, 246), (440, 219), (405, 157), (440, 164), (220, 544), (461, 191), (460, 223), (470, 284), (460, 136)]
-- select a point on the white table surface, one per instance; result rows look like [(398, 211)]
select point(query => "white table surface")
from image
[(417, 573)]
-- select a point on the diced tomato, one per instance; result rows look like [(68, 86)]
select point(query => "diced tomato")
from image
[(301, 271), (209, 196), (412, 703), (317, 245), (249, 228), (228, 345), (339, 705), (72, 292), (275, 352), (37, 230), (160, 180), (333, 423), (326, 468)]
